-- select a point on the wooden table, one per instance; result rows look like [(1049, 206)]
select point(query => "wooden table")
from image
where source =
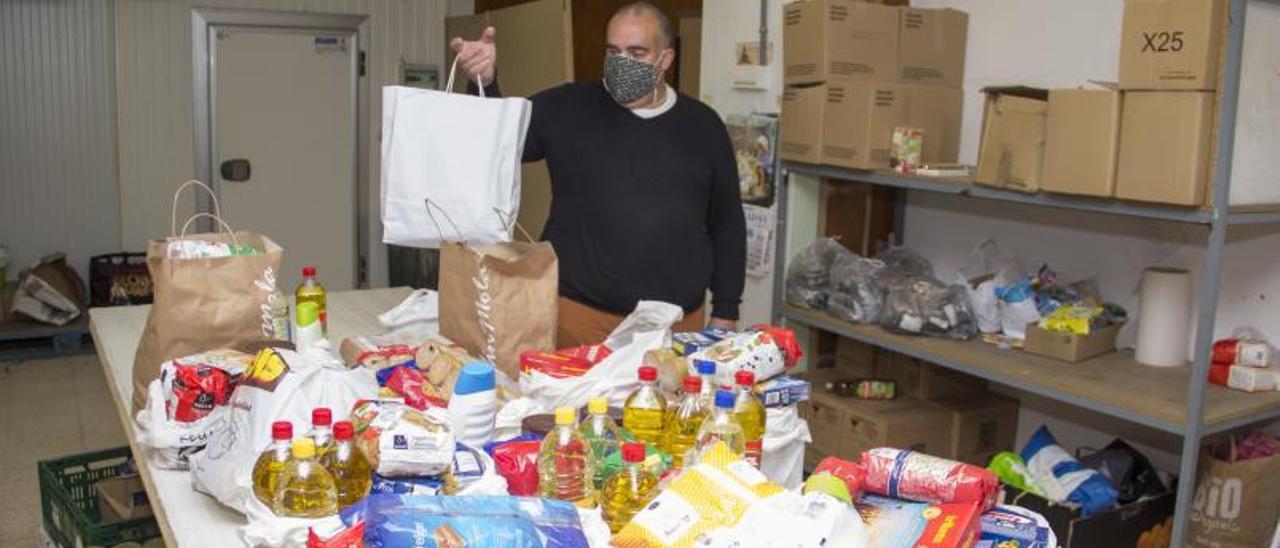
[(187, 517)]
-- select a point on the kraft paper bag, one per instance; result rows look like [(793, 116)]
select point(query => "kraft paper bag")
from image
[(205, 303), (500, 300), (1236, 504)]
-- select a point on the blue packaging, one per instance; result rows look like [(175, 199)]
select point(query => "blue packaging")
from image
[(782, 390), (474, 522), (385, 373), (1052, 466), (687, 343), (1012, 526)]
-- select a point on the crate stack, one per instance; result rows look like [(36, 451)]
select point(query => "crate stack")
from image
[(936, 410), (1147, 139), (854, 71)]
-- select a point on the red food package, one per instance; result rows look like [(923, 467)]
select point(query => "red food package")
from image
[(786, 341), (409, 383), (195, 390), (1219, 372), (554, 364), (593, 353), (951, 525), (852, 473), (925, 478), (517, 461), (332, 537)]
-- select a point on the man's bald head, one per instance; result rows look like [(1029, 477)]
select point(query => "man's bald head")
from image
[(666, 32)]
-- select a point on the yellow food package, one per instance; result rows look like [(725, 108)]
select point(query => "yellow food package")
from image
[(1071, 319), (715, 493)]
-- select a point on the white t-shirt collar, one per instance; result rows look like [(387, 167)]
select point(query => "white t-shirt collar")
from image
[(654, 112)]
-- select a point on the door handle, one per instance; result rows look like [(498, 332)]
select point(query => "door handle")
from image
[(236, 170)]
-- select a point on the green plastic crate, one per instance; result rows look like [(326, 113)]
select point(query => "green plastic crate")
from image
[(70, 503)]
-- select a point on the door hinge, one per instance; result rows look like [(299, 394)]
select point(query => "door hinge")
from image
[(361, 63), (362, 272)]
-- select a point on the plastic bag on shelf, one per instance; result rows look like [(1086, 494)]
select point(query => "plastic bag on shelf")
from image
[(854, 295), (1063, 478), (989, 267), (1127, 469), (901, 262), (1246, 346), (809, 274), (918, 305)]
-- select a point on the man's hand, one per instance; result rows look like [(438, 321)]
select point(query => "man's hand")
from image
[(477, 58), (721, 323)]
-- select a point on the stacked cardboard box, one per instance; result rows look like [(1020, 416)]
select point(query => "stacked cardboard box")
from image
[(1149, 140), (938, 411), (855, 70)]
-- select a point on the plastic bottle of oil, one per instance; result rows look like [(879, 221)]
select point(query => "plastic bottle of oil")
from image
[(750, 414), (306, 489), (646, 409), (565, 469), (266, 471), (321, 430), (601, 434), (310, 290), (722, 426), (707, 371), (628, 490), (352, 474), (685, 421)]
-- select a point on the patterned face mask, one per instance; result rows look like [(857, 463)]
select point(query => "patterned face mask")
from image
[(627, 79)]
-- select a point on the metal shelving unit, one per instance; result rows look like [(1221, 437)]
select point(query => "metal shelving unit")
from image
[(1179, 394)]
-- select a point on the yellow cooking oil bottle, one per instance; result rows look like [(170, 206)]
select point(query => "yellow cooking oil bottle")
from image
[(629, 490), (565, 469), (684, 421), (722, 426), (310, 290), (646, 409), (266, 471), (601, 435), (750, 414), (306, 490), (352, 474)]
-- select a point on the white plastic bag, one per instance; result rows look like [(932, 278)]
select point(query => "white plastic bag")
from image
[(792, 520), (417, 315), (989, 267), (170, 443), (282, 385), (647, 328), (785, 435), (450, 166)]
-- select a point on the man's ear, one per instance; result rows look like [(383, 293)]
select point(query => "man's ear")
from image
[(667, 59)]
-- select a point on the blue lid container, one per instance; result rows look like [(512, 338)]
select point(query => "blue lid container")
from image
[(474, 377)]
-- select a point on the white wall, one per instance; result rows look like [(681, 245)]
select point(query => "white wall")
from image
[(58, 188), (153, 56), (1049, 43)]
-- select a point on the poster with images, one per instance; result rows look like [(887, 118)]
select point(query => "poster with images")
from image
[(754, 138)]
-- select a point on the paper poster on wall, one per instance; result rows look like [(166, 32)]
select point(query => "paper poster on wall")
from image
[(760, 226), (754, 138)]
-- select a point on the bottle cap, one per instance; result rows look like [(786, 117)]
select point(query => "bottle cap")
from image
[(704, 367), (281, 430), (475, 377), (744, 378), (598, 405), (343, 430), (648, 373), (308, 313), (633, 451), (565, 416), (321, 416), (692, 383), (304, 448), (724, 399), (308, 271)]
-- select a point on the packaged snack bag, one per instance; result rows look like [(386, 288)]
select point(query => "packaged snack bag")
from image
[(925, 478), (400, 441), (471, 522), (715, 493), (766, 351)]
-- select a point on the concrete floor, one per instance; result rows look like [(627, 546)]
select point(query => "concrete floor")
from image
[(48, 408)]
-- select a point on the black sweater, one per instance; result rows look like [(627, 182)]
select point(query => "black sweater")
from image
[(640, 208)]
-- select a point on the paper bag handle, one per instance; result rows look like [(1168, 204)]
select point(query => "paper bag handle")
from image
[(448, 86), (439, 230), (173, 211), (516, 222), (222, 223)]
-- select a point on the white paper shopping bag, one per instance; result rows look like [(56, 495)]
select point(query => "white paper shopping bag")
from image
[(458, 153)]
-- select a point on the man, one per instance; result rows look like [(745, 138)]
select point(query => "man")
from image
[(644, 187)]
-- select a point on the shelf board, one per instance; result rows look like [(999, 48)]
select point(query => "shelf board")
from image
[(1113, 384), (966, 187)]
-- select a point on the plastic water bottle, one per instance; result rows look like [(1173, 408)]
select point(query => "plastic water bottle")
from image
[(474, 404)]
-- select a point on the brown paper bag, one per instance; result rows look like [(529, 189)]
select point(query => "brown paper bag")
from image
[(499, 300), (1236, 504), (204, 304)]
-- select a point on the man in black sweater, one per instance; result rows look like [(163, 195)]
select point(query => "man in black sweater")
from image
[(644, 186)]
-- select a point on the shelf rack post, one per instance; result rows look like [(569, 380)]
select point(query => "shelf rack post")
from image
[(1212, 280), (780, 191)]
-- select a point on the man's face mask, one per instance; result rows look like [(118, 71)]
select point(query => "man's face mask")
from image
[(628, 80)]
